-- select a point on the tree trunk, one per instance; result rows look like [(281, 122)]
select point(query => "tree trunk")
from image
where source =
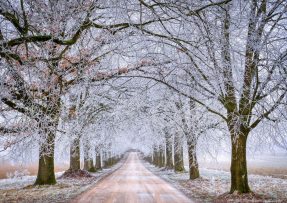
[(105, 159), (193, 164), (75, 163), (148, 158), (98, 165), (110, 159), (91, 165), (161, 156), (239, 118), (239, 176), (168, 152), (88, 159), (46, 174), (178, 153), (155, 157)]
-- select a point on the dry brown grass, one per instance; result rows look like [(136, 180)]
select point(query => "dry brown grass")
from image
[(32, 168), (278, 172)]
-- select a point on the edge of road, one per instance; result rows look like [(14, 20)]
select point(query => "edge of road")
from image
[(176, 186)]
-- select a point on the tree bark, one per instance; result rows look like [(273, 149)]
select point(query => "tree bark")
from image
[(75, 163), (46, 174), (105, 159), (88, 159), (178, 153), (239, 176), (86, 156), (155, 157), (168, 152), (111, 159), (193, 164), (98, 165), (161, 156), (148, 158)]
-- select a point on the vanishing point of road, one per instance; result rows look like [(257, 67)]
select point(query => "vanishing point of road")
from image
[(132, 183)]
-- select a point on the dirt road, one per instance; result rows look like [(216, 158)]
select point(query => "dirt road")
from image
[(132, 183)]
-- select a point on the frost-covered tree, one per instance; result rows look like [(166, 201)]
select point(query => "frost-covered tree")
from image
[(234, 53), (34, 76), (47, 47)]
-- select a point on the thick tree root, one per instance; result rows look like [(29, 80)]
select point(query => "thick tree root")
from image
[(240, 197)]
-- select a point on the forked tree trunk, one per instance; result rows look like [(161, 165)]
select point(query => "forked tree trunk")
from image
[(46, 174), (193, 164), (239, 112), (75, 163), (98, 165), (168, 152), (178, 153), (239, 176)]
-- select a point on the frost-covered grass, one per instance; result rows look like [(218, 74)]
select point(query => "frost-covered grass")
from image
[(21, 189), (214, 183)]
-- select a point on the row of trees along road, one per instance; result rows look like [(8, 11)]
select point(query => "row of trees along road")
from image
[(231, 60), (47, 48), (226, 58), (178, 120)]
